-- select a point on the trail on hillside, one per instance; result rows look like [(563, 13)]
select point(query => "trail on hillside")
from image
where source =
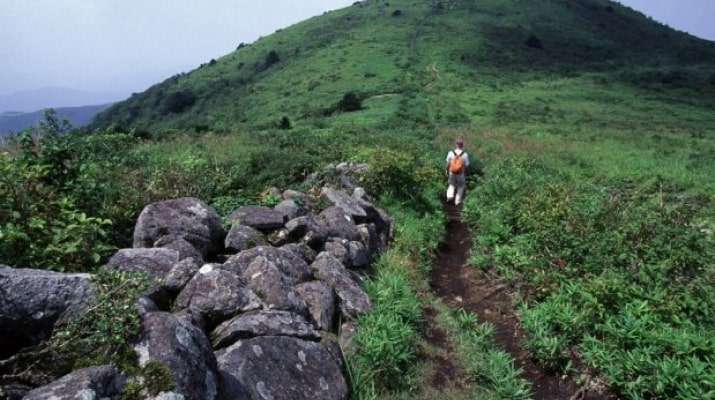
[(462, 286)]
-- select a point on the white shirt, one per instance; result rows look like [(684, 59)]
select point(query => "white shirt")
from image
[(464, 155)]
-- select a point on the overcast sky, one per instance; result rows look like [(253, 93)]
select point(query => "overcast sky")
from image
[(125, 45)]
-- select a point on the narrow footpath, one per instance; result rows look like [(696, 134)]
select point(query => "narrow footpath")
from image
[(459, 285)]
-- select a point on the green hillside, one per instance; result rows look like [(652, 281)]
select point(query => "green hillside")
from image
[(466, 60), (591, 199)]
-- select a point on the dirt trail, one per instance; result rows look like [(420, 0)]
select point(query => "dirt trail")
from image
[(459, 285)]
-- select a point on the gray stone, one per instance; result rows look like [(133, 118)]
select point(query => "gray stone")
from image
[(273, 287), (242, 237), (358, 255), (339, 223), (184, 248), (263, 323), (261, 218), (184, 350), (188, 218), (155, 262), (89, 383), (33, 301), (180, 274), (306, 229), (289, 262), (217, 295), (353, 299), (338, 248), (288, 208), (301, 250), (345, 202), (281, 368), (321, 303)]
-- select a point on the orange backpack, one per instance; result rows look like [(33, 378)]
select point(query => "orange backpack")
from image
[(456, 165)]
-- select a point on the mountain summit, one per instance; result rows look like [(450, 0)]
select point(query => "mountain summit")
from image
[(397, 56)]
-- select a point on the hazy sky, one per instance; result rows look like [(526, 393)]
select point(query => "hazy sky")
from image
[(125, 45)]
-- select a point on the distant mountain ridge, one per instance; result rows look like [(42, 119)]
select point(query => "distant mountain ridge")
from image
[(54, 97), (77, 116)]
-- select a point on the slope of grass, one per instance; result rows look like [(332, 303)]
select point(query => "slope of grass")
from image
[(459, 55)]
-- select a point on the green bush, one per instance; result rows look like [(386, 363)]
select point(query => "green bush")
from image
[(349, 102)]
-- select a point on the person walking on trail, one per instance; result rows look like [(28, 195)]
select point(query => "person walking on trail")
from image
[(457, 164)]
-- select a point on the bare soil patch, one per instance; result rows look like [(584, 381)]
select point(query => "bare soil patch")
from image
[(462, 286)]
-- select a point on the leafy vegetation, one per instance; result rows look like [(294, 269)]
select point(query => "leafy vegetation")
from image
[(593, 194), (102, 335)]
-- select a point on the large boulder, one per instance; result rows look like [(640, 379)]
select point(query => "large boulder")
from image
[(339, 223), (306, 229), (181, 274), (353, 299), (261, 218), (184, 350), (33, 301), (289, 208), (280, 368), (242, 237), (273, 287), (155, 262), (263, 323), (102, 382), (321, 303), (345, 202), (217, 295), (289, 262), (188, 218), (183, 247)]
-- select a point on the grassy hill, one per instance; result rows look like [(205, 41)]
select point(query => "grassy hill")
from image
[(467, 60), (592, 199)]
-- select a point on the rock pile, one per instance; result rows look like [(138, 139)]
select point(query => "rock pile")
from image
[(253, 312)]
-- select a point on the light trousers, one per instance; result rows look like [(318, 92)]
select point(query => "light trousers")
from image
[(455, 189)]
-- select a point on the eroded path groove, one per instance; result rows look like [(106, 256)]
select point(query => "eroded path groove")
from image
[(461, 286)]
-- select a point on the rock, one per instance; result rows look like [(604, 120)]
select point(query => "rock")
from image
[(89, 383), (184, 350), (338, 248), (353, 300), (188, 218), (180, 274), (358, 255), (288, 262), (184, 248), (155, 262), (242, 237), (261, 218), (349, 205), (217, 295), (308, 230), (339, 223), (33, 301), (301, 250), (321, 303), (273, 287), (288, 208), (263, 323), (281, 368), (371, 239)]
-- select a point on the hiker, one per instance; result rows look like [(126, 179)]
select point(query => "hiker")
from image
[(457, 163)]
